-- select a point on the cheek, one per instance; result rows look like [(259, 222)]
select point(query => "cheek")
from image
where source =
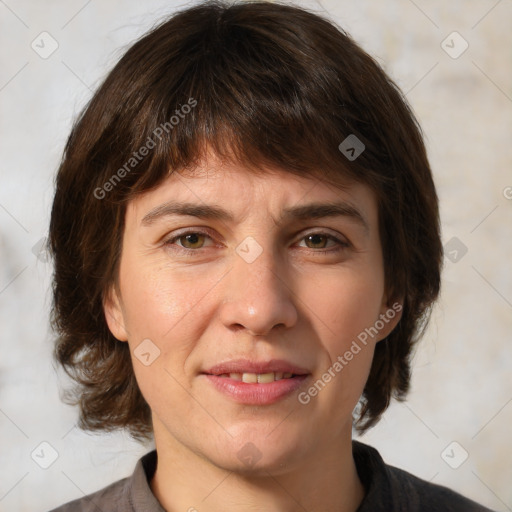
[(342, 308), (343, 304), (158, 301), (165, 308)]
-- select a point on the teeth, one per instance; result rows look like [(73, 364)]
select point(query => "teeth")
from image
[(265, 377), (250, 378), (260, 378)]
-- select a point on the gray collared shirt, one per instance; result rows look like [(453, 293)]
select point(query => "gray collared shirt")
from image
[(387, 489)]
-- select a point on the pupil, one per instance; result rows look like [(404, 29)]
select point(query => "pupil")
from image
[(315, 237), (192, 238)]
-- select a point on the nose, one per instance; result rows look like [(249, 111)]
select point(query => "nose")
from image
[(258, 296)]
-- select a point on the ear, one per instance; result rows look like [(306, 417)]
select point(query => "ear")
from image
[(390, 315), (114, 315)]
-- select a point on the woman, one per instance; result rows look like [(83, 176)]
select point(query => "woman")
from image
[(246, 241)]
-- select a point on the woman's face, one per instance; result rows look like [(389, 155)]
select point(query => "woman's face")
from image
[(254, 272)]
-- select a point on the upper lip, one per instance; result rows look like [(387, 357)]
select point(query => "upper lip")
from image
[(248, 366)]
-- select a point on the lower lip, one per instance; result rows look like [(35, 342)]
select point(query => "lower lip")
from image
[(256, 394)]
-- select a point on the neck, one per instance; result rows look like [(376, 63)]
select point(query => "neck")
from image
[(187, 481)]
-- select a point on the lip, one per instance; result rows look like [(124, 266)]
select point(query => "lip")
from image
[(248, 366), (256, 394)]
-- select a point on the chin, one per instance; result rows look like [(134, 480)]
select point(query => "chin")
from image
[(258, 454)]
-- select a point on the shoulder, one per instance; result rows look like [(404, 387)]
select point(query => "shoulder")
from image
[(129, 494), (425, 496), (111, 498), (392, 489)]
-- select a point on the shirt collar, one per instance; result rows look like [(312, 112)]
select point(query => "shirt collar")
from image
[(374, 477), (141, 496)]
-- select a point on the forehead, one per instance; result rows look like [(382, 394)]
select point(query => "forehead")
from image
[(240, 191)]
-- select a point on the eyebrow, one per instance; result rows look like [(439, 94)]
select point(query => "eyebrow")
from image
[(304, 212)]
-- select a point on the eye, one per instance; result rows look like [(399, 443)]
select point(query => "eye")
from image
[(191, 240), (319, 238)]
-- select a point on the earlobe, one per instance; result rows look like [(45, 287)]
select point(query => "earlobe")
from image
[(114, 314)]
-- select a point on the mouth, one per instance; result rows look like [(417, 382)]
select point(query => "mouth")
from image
[(259, 378), (251, 371), (256, 383)]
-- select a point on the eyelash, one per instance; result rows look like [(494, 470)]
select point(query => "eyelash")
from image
[(189, 252)]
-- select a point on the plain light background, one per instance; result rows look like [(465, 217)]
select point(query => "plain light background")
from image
[(460, 403)]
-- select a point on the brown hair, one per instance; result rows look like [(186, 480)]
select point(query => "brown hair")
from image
[(264, 84)]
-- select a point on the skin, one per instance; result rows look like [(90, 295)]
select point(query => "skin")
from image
[(292, 302)]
